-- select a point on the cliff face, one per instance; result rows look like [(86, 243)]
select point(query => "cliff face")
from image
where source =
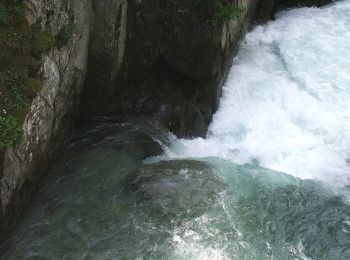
[(50, 116), (168, 58), (293, 3), (267, 8)]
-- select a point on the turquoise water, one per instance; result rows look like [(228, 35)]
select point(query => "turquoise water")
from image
[(270, 181), (108, 203)]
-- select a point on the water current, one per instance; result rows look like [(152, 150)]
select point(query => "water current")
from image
[(270, 181)]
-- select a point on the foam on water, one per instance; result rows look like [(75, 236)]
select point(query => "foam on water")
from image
[(286, 102)]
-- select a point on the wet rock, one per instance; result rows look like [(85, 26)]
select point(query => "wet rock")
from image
[(145, 147), (265, 11), (135, 143), (144, 54), (185, 120), (268, 8), (295, 3), (174, 186), (52, 112), (134, 139)]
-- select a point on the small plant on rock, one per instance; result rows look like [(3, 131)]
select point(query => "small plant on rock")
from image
[(225, 11), (21, 48)]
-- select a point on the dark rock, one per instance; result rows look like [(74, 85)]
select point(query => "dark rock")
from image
[(161, 52), (192, 43), (266, 11), (295, 3), (125, 139), (185, 120), (2, 159), (268, 8)]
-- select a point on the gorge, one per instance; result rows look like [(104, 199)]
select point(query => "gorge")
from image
[(269, 180)]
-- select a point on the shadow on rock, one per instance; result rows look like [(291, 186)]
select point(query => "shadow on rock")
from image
[(135, 138)]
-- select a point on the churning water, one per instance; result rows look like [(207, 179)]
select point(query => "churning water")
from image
[(270, 181), (286, 102)]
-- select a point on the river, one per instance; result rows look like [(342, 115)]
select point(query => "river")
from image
[(270, 181)]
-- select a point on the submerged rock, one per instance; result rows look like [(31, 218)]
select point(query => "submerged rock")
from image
[(176, 186)]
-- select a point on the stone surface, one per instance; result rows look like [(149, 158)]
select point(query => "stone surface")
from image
[(185, 120), (294, 3), (267, 8), (52, 112), (156, 54), (136, 137)]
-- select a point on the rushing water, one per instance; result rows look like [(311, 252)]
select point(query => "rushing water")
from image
[(270, 181)]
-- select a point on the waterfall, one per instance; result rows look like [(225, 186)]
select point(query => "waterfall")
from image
[(286, 102)]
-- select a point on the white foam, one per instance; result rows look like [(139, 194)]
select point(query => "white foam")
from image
[(188, 243), (286, 101)]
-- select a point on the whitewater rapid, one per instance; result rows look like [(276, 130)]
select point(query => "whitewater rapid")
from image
[(285, 105)]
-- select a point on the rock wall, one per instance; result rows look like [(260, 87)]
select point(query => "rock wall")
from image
[(267, 8), (294, 3), (168, 58), (51, 113)]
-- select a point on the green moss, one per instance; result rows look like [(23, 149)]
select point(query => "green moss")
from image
[(10, 11), (42, 42), (21, 48), (215, 12), (3, 13), (227, 11), (10, 132), (65, 35)]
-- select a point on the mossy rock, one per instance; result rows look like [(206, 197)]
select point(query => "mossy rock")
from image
[(10, 131), (65, 34), (21, 48)]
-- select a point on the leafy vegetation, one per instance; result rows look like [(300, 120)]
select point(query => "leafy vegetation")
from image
[(10, 132), (227, 11), (21, 47)]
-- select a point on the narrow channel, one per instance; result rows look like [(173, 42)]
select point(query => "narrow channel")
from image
[(270, 181)]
